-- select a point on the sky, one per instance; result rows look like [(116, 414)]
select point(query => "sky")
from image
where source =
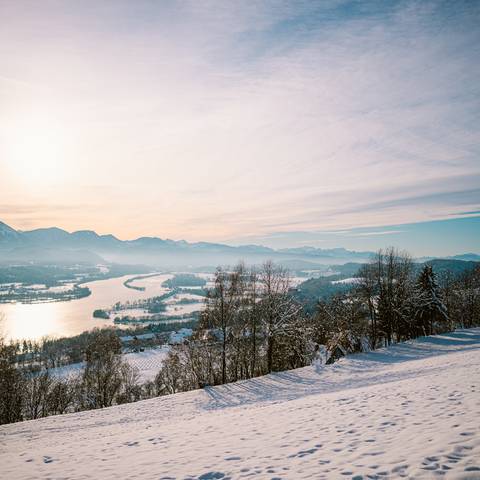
[(327, 123)]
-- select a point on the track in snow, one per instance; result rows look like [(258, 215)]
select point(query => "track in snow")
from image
[(410, 411)]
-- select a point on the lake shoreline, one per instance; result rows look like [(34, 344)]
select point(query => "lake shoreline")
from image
[(128, 283), (70, 317)]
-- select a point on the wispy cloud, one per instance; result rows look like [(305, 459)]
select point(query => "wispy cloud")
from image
[(374, 234), (438, 237), (215, 120)]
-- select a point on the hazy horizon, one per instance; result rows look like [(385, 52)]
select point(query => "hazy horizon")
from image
[(459, 236), (352, 124)]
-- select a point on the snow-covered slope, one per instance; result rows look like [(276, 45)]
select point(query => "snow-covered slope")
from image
[(410, 411), (148, 363)]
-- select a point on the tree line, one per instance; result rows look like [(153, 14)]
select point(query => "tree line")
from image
[(253, 325), (105, 380)]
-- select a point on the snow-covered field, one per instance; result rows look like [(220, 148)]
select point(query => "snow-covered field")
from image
[(148, 363), (412, 411), (347, 281)]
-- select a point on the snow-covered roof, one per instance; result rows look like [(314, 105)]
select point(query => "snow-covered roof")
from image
[(181, 335), (143, 336)]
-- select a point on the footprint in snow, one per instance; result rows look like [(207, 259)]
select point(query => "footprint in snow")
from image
[(212, 476), (156, 441), (303, 453)]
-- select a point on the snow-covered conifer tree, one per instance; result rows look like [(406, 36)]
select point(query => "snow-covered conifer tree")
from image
[(428, 305)]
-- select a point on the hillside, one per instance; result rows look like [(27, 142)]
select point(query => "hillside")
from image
[(408, 411), (148, 363)]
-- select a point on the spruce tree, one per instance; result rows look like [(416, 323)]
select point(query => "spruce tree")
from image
[(428, 304)]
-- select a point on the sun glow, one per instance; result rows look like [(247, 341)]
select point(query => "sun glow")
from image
[(35, 150)]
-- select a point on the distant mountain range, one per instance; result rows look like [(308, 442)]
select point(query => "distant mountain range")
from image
[(54, 245)]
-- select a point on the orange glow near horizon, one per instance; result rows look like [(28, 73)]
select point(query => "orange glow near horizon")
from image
[(219, 124)]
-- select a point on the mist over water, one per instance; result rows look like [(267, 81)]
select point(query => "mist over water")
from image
[(67, 318)]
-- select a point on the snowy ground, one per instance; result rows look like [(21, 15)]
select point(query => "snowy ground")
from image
[(347, 281), (412, 411), (148, 363)]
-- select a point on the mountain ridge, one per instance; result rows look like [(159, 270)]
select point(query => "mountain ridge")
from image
[(106, 245), (165, 252)]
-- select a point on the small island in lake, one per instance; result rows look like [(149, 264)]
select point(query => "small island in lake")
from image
[(184, 280), (99, 313)]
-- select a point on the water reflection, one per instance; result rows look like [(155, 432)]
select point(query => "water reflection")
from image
[(35, 320)]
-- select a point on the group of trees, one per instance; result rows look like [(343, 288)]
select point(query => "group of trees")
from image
[(184, 280), (49, 352), (405, 303), (105, 380), (252, 325), (391, 302)]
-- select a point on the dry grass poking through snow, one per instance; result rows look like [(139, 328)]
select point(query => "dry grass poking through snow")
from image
[(412, 411)]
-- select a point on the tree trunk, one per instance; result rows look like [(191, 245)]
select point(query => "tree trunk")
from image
[(224, 359), (270, 354), (254, 346)]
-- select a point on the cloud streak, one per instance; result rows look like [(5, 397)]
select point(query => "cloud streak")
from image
[(217, 120)]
